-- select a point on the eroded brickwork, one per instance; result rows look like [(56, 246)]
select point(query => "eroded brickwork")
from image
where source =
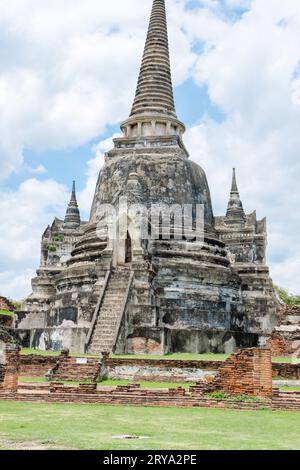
[(6, 321), (5, 304), (285, 340), (11, 368), (247, 372)]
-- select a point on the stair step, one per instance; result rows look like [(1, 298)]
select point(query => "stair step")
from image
[(105, 328)]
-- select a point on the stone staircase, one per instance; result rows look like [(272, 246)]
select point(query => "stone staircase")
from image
[(110, 311)]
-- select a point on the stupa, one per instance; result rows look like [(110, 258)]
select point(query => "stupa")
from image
[(102, 286)]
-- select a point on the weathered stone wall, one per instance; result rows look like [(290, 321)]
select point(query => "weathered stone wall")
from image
[(55, 338), (158, 370)]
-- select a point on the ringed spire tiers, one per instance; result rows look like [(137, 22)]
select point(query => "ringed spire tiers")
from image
[(153, 111), (72, 217), (235, 211)]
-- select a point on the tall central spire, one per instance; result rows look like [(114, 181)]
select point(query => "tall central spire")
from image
[(154, 92), (153, 111)]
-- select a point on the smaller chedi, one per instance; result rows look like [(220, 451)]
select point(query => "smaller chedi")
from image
[(133, 294)]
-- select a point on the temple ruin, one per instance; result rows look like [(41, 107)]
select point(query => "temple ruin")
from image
[(133, 294)]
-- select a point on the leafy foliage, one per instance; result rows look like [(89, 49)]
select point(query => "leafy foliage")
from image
[(6, 312), (218, 395), (16, 304), (289, 299), (58, 237), (52, 248)]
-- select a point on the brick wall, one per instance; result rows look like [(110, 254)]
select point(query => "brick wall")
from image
[(247, 372), (65, 367), (36, 366), (70, 368), (279, 346), (6, 321), (2, 372), (135, 396), (11, 368), (286, 371), (5, 304)]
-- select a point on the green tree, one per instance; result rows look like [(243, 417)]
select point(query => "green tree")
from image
[(289, 299)]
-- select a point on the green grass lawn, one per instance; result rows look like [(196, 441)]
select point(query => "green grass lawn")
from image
[(112, 383), (7, 313), (36, 380), (176, 356), (290, 388), (57, 426), (145, 384), (39, 352)]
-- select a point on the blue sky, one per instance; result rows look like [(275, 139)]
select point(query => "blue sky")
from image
[(68, 73)]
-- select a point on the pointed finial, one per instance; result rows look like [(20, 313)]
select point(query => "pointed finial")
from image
[(235, 211), (234, 188), (73, 196), (72, 217)]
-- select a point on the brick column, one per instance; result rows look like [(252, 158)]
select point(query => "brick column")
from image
[(262, 373), (11, 375)]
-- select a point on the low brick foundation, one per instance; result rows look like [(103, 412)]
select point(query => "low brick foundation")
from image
[(133, 395), (286, 370), (248, 372)]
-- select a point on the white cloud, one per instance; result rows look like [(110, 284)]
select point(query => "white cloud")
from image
[(68, 69), (25, 214), (249, 67), (16, 284), (288, 273)]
